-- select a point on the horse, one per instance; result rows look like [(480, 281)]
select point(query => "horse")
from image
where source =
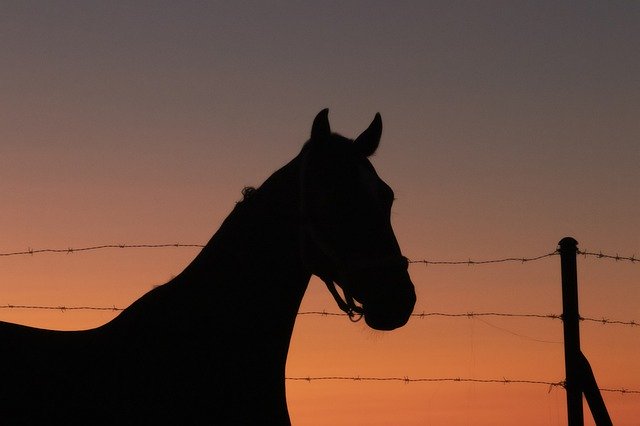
[(210, 346)]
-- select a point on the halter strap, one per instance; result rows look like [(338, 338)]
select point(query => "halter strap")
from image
[(348, 305)]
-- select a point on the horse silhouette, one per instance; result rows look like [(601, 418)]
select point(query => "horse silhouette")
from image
[(210, 346)]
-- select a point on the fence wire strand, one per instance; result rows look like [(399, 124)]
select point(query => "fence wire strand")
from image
[(62, 308), (603, 321), (71, 250), (615, 257), (407, 380), (324, 313), (471, 262), (426, 262)]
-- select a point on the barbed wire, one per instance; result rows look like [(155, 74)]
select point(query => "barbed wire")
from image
[(422, 315), (485, 262), (407, 380), (604, 321), (70, 250), (485, 314), (615, 257), (61, 308), (323, 313), (426, 262), (470, 262)]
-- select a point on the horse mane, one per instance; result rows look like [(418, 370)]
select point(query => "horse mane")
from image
[(246, 192)]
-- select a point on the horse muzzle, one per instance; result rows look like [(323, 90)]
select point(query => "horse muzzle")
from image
[(384, 291), (392, 311)]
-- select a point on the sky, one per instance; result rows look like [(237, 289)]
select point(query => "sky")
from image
[(508, 125)]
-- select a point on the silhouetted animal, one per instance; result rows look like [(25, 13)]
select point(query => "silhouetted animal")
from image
[(209, 347)]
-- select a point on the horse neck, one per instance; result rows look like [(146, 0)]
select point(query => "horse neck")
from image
[(255, 256)]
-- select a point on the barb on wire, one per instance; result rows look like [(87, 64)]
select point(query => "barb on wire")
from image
[(621, 390), (484, 262), (407, 380), (606, 321), (70, 250)]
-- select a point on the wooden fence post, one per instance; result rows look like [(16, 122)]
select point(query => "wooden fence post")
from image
[(571, 321)]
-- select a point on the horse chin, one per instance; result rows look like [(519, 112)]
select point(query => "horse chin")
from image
[(381, 324), (385, 323)]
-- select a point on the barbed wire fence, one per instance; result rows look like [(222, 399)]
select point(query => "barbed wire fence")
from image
[(426, 262), (469, 262), (406, 379)]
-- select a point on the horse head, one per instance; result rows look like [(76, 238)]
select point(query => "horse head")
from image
[(347, 238)]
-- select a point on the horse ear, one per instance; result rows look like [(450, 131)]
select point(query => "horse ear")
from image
[(368, 141), (320, 129)]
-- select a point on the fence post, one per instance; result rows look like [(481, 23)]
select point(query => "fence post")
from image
[(592, 394), (571, 321)]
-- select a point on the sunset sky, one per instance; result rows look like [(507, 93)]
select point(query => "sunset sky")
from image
[(508, 125)]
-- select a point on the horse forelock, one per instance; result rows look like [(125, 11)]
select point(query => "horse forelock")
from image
[(335, 144)]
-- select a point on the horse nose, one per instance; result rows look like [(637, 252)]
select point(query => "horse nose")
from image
[(393, 312)]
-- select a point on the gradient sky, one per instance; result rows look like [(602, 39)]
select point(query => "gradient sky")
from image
[(507, 126)]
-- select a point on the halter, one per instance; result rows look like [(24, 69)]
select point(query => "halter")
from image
[(347, 305)]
